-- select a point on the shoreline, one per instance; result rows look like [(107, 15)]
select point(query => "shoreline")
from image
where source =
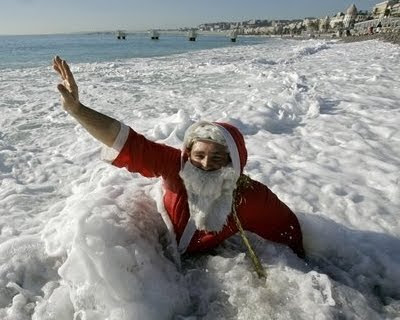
[(392, 37)]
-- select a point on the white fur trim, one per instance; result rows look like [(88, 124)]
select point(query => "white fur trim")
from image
[(203, 130), (187, 235), (110, 154), (232, 147), (157, 193)]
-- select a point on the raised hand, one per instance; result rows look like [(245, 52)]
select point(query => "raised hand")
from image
[(100, 126), (68, 87)]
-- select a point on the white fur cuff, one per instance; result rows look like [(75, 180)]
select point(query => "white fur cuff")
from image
[(110, 154)]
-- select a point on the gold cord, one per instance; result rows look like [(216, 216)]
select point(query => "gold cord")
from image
[(244, 182)]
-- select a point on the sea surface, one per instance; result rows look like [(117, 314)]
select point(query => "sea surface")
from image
[(83, 240), (31, 51)]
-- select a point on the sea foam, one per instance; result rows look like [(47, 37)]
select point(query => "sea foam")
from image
[(80, 239)]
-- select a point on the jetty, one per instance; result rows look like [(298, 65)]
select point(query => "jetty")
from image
[(121, 35), (233, 35), (154, 34), (192, 35)]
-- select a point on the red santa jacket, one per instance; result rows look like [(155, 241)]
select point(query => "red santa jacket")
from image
[(259, 209)]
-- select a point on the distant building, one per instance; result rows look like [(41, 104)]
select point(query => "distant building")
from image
[(311, 24), (382, 9), (324, 24), (363, 16), (293, 28), (385, 12), (395, 11), (337, 21), (350, 17)]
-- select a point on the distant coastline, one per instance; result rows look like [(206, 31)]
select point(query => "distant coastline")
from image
[(392, 37)]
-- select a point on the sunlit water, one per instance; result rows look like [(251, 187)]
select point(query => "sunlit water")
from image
[(30, 51), (80, 239)]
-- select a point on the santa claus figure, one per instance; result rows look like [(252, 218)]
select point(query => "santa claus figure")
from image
[(204, 184)]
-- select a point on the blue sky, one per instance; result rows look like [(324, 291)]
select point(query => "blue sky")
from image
[(53, 16)]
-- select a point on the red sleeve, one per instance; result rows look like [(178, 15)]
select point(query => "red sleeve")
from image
[(148, 158), (264, 214)]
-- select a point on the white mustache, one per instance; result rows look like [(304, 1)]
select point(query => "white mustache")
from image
[(210, 195)]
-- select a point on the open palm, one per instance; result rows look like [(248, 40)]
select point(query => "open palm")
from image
[(68, 87)]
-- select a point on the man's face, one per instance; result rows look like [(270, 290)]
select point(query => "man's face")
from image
[(208, 155)]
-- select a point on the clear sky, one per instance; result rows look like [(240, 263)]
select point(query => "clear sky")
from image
[(54, 16)]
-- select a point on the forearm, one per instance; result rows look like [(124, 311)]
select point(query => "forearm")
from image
[(102, 127)]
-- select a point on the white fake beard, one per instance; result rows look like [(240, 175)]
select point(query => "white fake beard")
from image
[(210, 195)]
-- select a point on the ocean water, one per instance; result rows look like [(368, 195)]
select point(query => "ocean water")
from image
[(80, 239), (31, 51)]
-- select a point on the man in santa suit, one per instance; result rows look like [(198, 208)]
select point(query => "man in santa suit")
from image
[(203, 183)]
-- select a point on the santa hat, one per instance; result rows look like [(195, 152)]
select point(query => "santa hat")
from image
[(222, 133)]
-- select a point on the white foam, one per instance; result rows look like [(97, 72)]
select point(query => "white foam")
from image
[(80, 239)]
